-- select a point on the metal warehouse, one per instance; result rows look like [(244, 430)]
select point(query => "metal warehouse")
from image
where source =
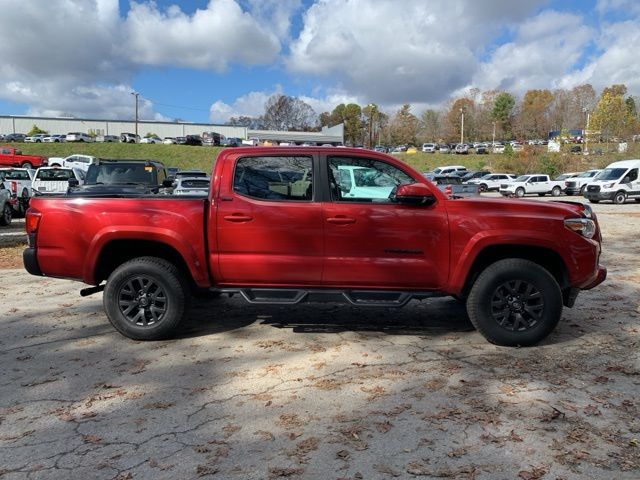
[(63, 125)]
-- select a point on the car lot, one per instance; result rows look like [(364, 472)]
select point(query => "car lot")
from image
[(323, 391)]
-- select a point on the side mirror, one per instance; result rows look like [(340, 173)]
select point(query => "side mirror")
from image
[(73, 182), (413, 194)]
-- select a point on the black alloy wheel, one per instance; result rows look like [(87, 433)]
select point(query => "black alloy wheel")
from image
[(517, 305), (142, 301)]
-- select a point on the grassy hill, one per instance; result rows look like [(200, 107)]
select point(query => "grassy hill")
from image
[(183, 156)]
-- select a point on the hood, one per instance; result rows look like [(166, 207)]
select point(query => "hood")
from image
[(559, 208)]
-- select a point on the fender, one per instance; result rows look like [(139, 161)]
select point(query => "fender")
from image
[(461, 264), (192, 259)]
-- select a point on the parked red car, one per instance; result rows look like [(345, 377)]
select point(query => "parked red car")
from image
[(287, 225)]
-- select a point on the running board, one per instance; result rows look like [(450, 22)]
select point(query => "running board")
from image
[(361, 298)]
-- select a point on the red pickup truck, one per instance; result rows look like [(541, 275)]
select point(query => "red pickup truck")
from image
[(287, 225), (11, 157)]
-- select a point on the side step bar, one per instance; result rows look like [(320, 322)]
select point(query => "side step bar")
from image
[(361, 298)]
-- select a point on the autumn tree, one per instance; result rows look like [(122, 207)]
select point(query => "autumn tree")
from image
[(374, 121), (282, 112), (431, 128), (502, 113), (612, 117), (404, 126), (453, 119), (533, 119)]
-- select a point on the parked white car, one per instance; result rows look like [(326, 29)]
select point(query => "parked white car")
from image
[(37, 138), (55, 180), (448, 170), (19, 182), (73, 161), (169, 141), (55, 138), (492, 181), (78, 137), (149, 140), (429, 147), (532, 184), (577, 185), (197, 186)]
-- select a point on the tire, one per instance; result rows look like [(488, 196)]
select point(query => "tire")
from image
[(556, 191), (594, 201), (27, 165), (619, 198), (160, 309), (528, 316), (519, 192), (23, 202), (637, 200), (483, 187), (7, 215)]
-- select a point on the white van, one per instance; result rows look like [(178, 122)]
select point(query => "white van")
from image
[(617, 182)]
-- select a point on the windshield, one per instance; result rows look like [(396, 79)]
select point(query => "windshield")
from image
[(437, 170), (121, 173), (55, 175), (522, 178), (610, 174), (587, 174)]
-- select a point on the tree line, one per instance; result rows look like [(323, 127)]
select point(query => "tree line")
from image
[(612, 115)]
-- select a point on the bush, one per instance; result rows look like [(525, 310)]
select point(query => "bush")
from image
[(35, 130)]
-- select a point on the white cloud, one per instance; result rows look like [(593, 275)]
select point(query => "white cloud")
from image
[(544, 49), (391, 52), (210, 38), (616, 63), (75, 56), (252, 104)]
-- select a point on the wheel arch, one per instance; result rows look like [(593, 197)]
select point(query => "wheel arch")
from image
[(117, 252), (547, 258)]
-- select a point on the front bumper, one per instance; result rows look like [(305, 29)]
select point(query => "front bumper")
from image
[(600, 277), (599, 195)]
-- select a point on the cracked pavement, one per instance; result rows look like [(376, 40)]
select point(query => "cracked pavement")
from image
[(322, 391)]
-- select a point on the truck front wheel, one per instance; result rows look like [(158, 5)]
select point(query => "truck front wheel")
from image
[(519, 192), (515, 302), (146, 298)]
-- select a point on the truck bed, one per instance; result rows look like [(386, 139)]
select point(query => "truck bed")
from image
[(74, 225)]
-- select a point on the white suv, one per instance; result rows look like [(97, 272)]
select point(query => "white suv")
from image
[(448, 170), (78, 137), (429, 147)]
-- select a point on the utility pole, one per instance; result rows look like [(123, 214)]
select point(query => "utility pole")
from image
[(586, 135), (136, 95), (462, 126)]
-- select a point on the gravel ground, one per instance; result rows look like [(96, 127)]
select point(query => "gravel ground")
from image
[(322, 391)]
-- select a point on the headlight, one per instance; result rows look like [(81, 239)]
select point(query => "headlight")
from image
[(609, 185), (583, 226)]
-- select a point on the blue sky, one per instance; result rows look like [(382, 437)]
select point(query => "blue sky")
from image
[(206, 60)]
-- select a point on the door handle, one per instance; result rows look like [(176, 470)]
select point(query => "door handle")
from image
[(341, 220), (238, 217)]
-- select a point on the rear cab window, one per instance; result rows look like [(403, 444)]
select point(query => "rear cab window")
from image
[(284, 178)]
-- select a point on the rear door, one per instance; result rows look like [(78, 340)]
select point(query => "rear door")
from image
[(269, 223), (372, 242)]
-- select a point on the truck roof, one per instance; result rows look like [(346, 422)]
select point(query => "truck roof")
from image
[(625, 164)]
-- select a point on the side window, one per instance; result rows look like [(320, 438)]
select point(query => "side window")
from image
[(632, 175), (162, 174), (274, 178), (363, 180)]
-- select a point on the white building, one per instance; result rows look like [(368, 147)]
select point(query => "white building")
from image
[(63, 125)]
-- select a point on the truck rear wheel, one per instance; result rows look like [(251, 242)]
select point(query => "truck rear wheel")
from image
[(515, 302), (146, 298), (27, 165), (555, 191), (6, 215)]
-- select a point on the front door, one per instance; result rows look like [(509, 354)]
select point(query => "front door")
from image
[(269, 225), (370, 241)]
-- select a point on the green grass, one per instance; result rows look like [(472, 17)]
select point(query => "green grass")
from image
[(181, 156)]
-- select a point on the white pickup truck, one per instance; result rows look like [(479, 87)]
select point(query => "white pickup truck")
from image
[(83, 162), (19, 182), (532, 184)]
